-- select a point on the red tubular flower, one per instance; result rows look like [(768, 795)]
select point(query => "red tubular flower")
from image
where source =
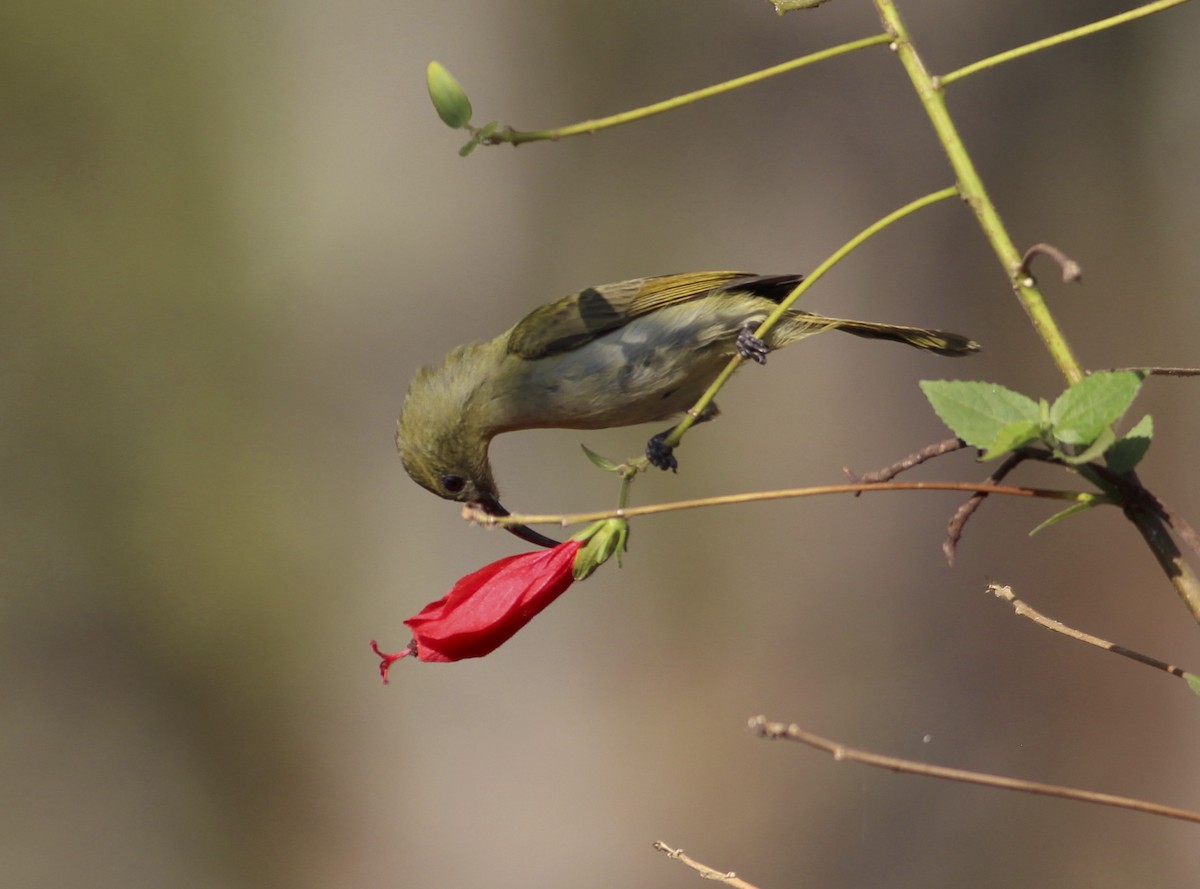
[(485, 608)]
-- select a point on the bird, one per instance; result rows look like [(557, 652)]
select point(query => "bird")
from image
[(631, 352)]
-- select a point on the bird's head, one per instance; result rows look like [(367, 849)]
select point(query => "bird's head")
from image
[(443, 436)]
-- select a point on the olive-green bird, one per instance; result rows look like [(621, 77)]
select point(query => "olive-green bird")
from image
[(638, 351)]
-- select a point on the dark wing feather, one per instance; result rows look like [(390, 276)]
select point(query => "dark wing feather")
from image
[(570, 322)]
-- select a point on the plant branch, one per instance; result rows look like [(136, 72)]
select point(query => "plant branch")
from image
[(973, 191), (1163, 371), (1152, 518), (916, 458), (475, 514), (1168, 556), (708, 873), (517, 137), (819, 272), (1072, 272), (1023, 610), (776, 730), (929, 90), (954, 529), (1055, 40)]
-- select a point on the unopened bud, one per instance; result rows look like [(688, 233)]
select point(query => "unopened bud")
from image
[(449, 99), (601, 540)]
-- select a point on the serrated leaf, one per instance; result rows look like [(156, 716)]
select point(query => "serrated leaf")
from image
[(978, 412), (1073, 509), (1193, 682), (599, 461), (1103, 442), (1129, 451), (1011, 437), (1093, 404)]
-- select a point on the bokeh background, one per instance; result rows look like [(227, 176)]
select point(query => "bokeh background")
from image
[(231, 232)]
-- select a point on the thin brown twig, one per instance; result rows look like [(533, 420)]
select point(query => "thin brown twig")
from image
[(916, 458), (1024, 610), (1071, 270), (473, 513), (954, 529), (708, 873), (1161, 371), (775, 730)]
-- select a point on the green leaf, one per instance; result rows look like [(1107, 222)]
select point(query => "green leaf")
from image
[(978, 413), (1093, 404), (1129, 451), (1011, 437), (1103, 442), (600, 462), (448, 97), (1193, 682), (1073, 509)]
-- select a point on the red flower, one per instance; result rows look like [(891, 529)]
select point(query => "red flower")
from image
[(485, 608)]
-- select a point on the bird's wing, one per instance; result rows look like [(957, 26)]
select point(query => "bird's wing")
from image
[(570, 322)]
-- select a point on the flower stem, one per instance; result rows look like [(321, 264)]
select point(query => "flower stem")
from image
[(516, 137), (1055, 40), (477, 515), (930, 93), (819, 272)]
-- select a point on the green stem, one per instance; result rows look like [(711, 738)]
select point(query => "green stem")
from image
[(819, 272), (929, 90), (516, 137), (971, 186), (1065, 36)]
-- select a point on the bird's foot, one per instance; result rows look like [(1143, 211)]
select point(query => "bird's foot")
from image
[(751, 347), (661, 454)]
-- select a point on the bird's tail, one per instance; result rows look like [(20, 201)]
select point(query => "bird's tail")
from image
[(797, 325)]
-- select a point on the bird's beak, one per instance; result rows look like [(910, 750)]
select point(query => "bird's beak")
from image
[(492, 507)]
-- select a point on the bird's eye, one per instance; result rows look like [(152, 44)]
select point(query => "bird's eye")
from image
[(452, 484)]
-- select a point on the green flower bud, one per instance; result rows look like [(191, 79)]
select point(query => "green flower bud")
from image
[(601, 540), (449, 99)]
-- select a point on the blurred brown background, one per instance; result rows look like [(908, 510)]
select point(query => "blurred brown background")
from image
[(230, 233)]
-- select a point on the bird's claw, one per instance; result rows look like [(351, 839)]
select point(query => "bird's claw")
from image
[(751, 347), (661, 454)]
